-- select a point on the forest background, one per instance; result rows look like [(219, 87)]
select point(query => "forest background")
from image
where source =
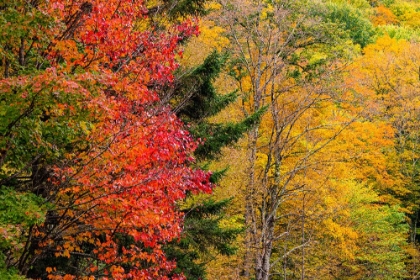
[(209, 139)]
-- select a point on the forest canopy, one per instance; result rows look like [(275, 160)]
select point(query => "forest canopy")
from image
[(192, 139)]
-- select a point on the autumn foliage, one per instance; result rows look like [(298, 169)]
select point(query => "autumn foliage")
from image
[(112, 112), (81, 80)]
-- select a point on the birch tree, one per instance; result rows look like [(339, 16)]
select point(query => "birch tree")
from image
[(285, 59)]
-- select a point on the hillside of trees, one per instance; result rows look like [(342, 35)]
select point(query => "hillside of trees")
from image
[(193, 139)]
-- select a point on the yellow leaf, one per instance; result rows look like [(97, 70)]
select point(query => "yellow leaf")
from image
[(66, 253)]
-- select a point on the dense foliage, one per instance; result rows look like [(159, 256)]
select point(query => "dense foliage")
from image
[(113, 112), (94, 160)]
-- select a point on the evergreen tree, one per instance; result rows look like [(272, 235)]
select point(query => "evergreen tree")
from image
[(195, 99)]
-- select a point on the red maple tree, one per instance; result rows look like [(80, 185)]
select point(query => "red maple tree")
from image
[(113, 192)]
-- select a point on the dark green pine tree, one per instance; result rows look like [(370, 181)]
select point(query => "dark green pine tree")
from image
[(195, 99), (201, 235)]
